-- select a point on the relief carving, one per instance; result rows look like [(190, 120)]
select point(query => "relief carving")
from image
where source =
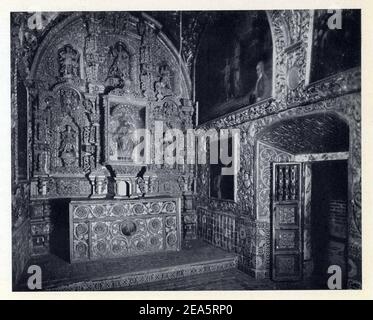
[(68, 147), (70, 101), (113, 229), (69, 60), (163, 86), (146, 62), (120, 67), (118, 54), (20, 204)]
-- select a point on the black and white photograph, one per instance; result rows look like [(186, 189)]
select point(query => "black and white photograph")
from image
[(250, 121)]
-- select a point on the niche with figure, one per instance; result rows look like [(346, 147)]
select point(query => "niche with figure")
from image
[(122, 122)]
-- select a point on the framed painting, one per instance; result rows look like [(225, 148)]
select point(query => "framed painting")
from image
[(123, 119), (234, 63)]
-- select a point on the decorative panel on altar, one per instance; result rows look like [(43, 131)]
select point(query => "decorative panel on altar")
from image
[(102, 229)]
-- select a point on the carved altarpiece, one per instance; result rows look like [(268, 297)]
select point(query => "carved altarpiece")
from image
[(96, 77)]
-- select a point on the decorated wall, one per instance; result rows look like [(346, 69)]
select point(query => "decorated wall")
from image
[(78, 75), (293, 96), (20, 185)]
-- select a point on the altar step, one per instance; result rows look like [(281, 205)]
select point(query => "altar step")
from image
[(130, 272), (127, 280)]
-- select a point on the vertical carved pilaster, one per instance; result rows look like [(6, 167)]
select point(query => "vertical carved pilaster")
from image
[(92, 55), (147, 34), (41, 227)]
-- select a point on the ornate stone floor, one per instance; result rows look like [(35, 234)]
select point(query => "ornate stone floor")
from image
[(198, 267)]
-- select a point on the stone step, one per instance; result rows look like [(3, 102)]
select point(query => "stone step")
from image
[(197, 257), (145, 276)]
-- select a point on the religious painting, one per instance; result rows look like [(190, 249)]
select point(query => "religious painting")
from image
[(222, 187), (123, 119), (336, 42), (234, 63)]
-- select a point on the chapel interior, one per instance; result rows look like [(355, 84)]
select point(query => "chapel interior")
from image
[(93, 217)]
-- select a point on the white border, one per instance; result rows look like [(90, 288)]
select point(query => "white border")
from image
[(85, 5)]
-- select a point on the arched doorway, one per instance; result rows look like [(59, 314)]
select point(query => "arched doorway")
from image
[(302, 189)]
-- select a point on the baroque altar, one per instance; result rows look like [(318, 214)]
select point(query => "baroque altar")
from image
[(94, 81), (116, 228)]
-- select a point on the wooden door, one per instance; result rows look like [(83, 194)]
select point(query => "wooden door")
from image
[(286, 222)]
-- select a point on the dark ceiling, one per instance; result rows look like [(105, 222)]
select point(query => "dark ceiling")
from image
[(318, 133)]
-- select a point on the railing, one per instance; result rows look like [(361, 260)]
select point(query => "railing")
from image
[(217, 228)]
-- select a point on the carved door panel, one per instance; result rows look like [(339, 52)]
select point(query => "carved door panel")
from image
[(286, 222)]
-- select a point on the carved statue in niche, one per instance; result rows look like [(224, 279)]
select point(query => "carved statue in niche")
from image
[(68, 59), (121, 136), (122, 121), (69, 100), (163, 87), (67, 150), (122, 144), (119, 71)]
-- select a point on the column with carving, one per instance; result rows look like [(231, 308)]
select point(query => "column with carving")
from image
[(146, 66), (41, 227), (189, 212)]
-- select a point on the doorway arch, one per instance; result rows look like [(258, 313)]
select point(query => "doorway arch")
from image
[(300, 142)]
